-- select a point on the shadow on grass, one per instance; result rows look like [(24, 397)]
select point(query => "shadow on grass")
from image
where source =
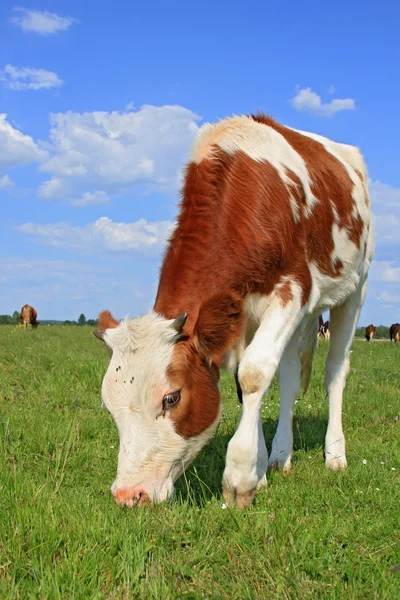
[(202, 482)]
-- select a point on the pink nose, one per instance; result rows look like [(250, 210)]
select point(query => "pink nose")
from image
[(130, 497)]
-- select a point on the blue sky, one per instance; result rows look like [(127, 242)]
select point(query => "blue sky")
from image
[(100, 104)]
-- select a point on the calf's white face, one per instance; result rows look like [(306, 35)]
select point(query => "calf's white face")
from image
[(163, 395)]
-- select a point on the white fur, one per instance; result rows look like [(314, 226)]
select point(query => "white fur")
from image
[(343, 321), (261, 143), (289, 382), (152, 454), (247, 457)]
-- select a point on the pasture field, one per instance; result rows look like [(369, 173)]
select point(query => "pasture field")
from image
[(313, 533)]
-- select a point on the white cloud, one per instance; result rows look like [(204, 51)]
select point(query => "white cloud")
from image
[(24, 78), (384, 196), (58, 189), (388, 297), (114, 151), (308, 101), (387, 229), (103, 234), (17, 148), (6, 183), (62, 289), (383, 270), (51, 286), (42, 22), (43, 269), (53, 188), (92, 199), (385, 201)]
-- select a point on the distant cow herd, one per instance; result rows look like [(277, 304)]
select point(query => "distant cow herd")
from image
[(394, 332), (29, 317), (370, 331)]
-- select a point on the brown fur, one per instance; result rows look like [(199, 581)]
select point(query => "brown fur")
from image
[(330, 181), (220, 323), (370, 331), (200, 400), (394, 332), (195, 365), (29, 316), (106, 321), (285, 293), (228, 237)]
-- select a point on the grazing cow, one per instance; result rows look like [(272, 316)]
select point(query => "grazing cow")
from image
[(274, 228), (394, 332), (29, 316), (370, 331), (324, 331), (327, 331)]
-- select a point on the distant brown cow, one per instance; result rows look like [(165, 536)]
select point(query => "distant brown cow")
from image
[(29, 315), (370, 332), (394, 332)]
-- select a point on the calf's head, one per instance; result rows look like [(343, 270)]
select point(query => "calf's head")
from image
[(161, 387)]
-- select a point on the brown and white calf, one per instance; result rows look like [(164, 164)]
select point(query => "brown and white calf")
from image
[(394, 332), (29, 316), (274, 228), (370, 331)]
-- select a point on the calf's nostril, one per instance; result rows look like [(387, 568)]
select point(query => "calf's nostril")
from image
[(142, 497), (130, 497)]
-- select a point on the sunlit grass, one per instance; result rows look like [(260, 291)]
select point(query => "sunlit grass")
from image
[(311, 534)]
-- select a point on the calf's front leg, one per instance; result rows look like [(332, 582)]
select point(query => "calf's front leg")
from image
[(247, 456)]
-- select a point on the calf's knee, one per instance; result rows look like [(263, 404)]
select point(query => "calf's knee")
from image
[(254, 378)]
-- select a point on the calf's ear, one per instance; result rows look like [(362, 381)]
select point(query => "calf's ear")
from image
[(105, 321), (219, 325)]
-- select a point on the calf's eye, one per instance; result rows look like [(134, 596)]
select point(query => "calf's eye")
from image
[(171, 400)]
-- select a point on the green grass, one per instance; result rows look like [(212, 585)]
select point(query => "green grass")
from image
[(312, 534)]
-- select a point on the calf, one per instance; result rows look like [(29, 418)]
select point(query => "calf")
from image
[(274, 228), (394, 332), (29, 316), (370, 331)]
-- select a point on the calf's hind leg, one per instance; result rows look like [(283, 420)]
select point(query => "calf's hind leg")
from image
[(289, 384), (343, 321)]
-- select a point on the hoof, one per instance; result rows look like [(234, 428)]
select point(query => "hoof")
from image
[(262, 483), (277, 465), (336, 464), (238, 500)]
